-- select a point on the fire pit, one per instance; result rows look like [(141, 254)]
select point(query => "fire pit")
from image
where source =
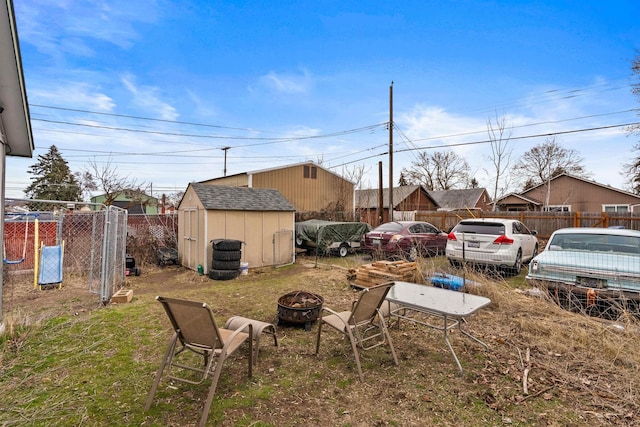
[(299, 307)]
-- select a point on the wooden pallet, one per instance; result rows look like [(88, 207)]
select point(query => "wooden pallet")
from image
[(379, 272)]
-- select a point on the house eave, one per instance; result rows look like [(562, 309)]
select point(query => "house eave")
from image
[(15, 124)]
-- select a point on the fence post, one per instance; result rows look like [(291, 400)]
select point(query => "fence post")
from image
[(576, 219)]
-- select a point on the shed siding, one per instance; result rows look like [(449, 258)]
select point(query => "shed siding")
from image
[(240, 180), (307, 194), (416, 201), (255, 229)]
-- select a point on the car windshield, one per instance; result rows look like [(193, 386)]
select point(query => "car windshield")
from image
[(389, 227), (479, 228), (596, 243)]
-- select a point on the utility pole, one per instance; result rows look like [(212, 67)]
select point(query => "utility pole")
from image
[(380, 207), (391, 152), (225, 159)]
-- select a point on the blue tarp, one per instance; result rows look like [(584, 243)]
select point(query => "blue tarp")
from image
[(449, 281)]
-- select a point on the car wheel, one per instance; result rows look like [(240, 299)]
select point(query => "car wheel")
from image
[(343, 250), (517, 267), (535, 252)]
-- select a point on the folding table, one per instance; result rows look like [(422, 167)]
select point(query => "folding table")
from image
[(452, 307)]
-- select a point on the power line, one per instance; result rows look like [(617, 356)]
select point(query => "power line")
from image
[(460, 144), (147, 118), (232, 137)]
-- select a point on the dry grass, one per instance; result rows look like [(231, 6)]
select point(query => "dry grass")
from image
[(94, 367)]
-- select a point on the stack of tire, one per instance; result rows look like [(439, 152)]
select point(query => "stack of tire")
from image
[(225, 263)]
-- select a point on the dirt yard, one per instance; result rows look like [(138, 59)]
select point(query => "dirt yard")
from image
[(545, 367)]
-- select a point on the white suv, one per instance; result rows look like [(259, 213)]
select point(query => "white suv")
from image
[(492, 242)]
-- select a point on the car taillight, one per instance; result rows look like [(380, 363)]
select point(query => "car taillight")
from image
[(451, 236), (503, 240)]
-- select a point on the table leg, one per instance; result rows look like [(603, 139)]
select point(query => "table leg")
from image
[(486, 347), (446, 339)]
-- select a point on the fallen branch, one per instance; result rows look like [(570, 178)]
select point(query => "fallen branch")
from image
[(525, 375)]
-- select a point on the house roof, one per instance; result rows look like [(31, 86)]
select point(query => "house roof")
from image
[(608, 187), (518, 196), (218, 197), (369, 198), (458, 199), (283, 167), (14, 114), (125, 196)]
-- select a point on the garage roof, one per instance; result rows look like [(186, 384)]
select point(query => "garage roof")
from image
[(13, 94), (217, 197)]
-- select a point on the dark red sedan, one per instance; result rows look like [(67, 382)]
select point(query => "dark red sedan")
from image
[(404, 239)]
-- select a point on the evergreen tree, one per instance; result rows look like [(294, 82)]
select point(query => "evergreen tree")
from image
[(402, 181), (52, 179)]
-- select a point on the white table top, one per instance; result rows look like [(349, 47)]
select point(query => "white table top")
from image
[(436, 300)]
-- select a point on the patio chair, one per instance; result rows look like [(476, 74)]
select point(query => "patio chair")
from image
[(197, 348), (364, 325)]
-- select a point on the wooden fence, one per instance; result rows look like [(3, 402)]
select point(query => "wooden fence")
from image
[(544, 223)]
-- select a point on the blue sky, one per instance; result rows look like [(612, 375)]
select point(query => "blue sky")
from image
[(158, 88)]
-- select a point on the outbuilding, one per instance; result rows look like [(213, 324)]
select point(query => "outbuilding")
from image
[(262, 219)]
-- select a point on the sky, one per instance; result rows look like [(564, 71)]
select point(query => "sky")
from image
[(169, 92)]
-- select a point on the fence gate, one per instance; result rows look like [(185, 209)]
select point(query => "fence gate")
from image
[(93, 238)]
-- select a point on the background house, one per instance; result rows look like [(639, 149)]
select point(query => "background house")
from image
[(465, 199), (568, 193), (134, 202), (261, 218), (407, 199), (314, 191)]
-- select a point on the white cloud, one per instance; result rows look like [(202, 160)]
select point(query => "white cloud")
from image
[(148, 98), (288, 83), (69, 26), (73, 94)]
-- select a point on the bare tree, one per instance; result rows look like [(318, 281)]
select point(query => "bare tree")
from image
[(545, 161), (631, 170), (355, 174), (106, 179), (440, 170), (500, 155)]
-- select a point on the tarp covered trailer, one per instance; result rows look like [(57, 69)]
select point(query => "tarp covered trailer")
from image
[(330, 236)]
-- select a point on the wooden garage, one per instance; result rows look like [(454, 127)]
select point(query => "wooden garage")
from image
[(260, 218)]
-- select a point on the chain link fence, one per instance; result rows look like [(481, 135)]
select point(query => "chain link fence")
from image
[(52, 243)]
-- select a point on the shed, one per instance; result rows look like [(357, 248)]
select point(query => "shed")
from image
[(261, 218)]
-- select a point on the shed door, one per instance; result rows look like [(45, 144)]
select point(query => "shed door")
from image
[(283, 247), (190, 238)]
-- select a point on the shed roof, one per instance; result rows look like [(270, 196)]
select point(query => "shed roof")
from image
[(218, 197)]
